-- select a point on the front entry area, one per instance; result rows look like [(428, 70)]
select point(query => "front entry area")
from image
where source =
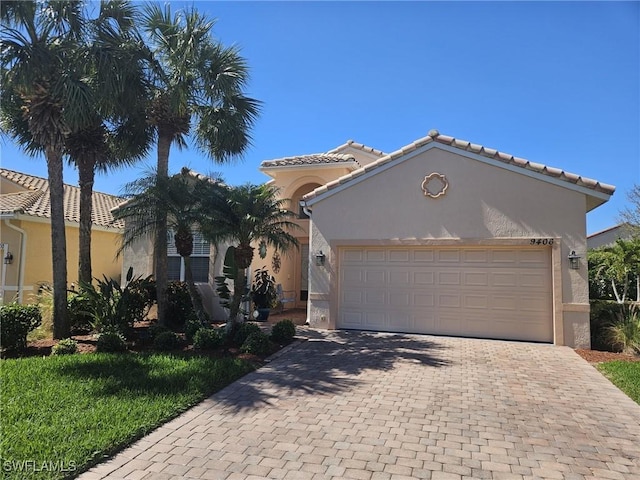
[(485, 292)]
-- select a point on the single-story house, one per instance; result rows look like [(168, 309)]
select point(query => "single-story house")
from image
[(448, 237), (441, 237), (25, 235), (608, 236)]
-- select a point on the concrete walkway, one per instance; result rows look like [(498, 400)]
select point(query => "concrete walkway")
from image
[(375, 406)]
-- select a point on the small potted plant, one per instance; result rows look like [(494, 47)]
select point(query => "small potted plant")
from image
[(263, 293)]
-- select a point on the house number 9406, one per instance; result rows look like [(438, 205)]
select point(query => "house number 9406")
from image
[(541, 241)]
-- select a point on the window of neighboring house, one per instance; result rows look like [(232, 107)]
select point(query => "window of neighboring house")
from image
[(199, 259)]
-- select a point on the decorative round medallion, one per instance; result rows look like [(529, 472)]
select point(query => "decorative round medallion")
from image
[(275, 262), (435, 185)]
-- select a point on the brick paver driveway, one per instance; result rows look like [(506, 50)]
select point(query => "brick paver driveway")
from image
[(373, 406)]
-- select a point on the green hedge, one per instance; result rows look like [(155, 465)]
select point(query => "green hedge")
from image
[(604, 314), (16, 321)]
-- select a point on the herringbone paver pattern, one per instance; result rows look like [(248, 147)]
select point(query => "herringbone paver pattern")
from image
[(375, 406)]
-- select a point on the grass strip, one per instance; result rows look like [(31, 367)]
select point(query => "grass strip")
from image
[(61, 415), (624, 375)]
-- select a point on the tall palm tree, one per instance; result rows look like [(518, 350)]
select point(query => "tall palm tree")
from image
[(180, 196), (119, 134), (243, 216), (42, 78), (197, 91)]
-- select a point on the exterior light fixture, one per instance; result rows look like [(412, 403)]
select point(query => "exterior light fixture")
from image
[(8, 258), (320, 258), (574, 260)]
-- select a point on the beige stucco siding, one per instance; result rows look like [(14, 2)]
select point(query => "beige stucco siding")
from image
[(483, 202)]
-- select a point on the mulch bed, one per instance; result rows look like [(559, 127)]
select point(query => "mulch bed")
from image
[(595, 356)]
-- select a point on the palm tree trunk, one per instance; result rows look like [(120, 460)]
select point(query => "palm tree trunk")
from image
[(160, 244), (86, 175), (61, 326), (193, 293)]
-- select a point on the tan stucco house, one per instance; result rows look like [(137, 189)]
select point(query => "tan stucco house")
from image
[(444, 237), (25, 235), (608, 236), (440, 237)]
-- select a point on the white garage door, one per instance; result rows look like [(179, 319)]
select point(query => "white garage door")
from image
[(477, 292)]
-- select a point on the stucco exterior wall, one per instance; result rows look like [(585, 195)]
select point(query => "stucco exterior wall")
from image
[(483, 202), (38, 262)]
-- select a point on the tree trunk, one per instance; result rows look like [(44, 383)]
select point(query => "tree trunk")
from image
[(193, 293), (61, 326), (86, 175), (160, 244), (239, 288)]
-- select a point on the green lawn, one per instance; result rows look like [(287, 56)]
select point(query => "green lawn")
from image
[(60, 415), (625, 375)]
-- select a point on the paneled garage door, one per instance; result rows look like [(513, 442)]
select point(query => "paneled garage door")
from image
[(477, 292)]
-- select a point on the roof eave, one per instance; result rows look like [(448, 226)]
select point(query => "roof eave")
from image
[(346, 164)]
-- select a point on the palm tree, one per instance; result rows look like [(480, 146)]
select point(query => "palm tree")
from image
[(180, 196), (617, 264), (196, 82), (243, 216), (119, 134), (42, 79)]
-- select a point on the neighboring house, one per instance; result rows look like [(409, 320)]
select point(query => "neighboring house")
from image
[(608, 237), (25, 235), (452, 238)]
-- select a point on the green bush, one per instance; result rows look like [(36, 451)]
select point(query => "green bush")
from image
[(625, 333), (179, 306), (156, 329), (208, 339), (78, 310), (68, 346), (166, 341), (16, 321), (111, 341), (243, 331), (283, 332), (257, 343), (191, 327), (112, 307), (604, 314)]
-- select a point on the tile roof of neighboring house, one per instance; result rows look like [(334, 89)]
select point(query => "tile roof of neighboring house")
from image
[(34, 200), (313, 159), (435, 136)]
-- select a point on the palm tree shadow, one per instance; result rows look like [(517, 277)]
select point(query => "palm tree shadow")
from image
[(328, 363)]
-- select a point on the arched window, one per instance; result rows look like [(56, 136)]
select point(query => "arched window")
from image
[(297, 196)]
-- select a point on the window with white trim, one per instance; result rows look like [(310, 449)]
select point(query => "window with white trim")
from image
[(199, 259)]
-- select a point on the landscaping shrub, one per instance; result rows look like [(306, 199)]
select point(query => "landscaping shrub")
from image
[(624, 334), (166, 341), (604, 314), (156, 329), (243, 331), (257, 343), (112, 307), (192, 326), (179, 306), (283, 332), (16, 321), (78, 310), (68, 346), (208, 339), (111, 341)]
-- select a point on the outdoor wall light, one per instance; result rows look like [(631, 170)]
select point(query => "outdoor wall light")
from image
[(8, 258), (320, 258), (574, 260)]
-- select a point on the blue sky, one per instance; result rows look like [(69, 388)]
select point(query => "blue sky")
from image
[(553, 82)]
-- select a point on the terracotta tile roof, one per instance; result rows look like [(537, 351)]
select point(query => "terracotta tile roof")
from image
[(359, 146), (313, 159), (435, 136), (34, 200)]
